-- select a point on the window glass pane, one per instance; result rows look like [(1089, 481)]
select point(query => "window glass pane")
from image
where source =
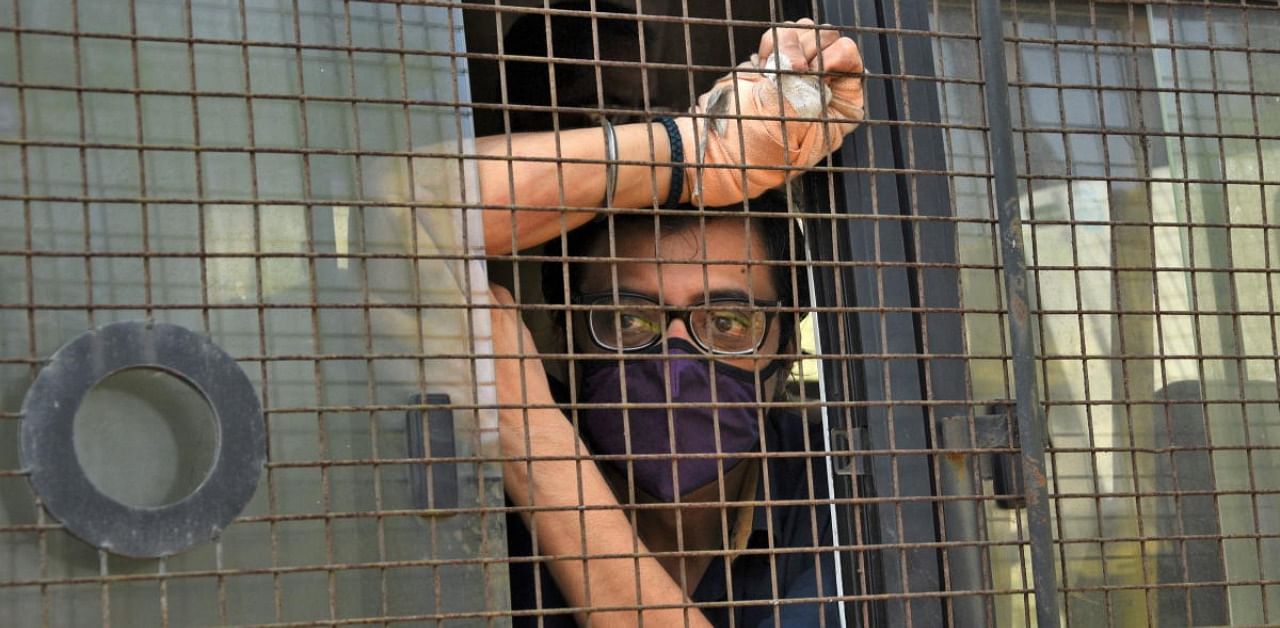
[(1222, 167), (242, 168), (1148, 189)]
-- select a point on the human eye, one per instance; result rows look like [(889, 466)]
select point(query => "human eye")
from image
[(729, 322), (636, 322)]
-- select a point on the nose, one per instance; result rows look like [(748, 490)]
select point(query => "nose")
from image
[(677, 328)]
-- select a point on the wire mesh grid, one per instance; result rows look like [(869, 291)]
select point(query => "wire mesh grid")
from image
[(218, 166), (300, 182), (1145, 190)]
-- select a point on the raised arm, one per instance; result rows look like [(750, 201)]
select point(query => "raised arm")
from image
[(580, 525), (771, 125)]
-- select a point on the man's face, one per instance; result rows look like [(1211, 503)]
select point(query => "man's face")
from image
[(689, 272)]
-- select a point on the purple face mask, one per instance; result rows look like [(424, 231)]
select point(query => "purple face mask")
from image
[(650, 429)]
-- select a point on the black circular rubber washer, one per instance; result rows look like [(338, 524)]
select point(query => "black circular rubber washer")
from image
[(48, 453)]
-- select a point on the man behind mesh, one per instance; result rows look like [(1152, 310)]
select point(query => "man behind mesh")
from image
[(699, 349), (661, 481)]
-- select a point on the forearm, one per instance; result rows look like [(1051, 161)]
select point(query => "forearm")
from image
[(522, 173), (556, 489), (527, 178)]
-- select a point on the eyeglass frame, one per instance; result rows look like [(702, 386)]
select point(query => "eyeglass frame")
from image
[(682, 314)]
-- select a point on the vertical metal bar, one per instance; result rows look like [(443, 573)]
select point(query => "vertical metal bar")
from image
[(958, 475), (1030, 429)]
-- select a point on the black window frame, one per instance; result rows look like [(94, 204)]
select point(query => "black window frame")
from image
[(902, 283)]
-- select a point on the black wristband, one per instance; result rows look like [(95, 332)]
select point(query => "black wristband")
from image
[(677, 162)]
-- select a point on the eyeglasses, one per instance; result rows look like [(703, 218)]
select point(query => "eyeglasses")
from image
[(633, 322)]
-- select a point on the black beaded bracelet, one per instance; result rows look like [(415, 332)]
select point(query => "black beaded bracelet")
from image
[(677, 161)]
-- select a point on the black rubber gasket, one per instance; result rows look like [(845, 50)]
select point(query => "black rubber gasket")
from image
[(48, 452)]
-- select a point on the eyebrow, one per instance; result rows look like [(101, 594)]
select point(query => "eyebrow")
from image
[(731, 293), (722, 294)]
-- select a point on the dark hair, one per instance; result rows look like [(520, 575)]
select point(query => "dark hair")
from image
[(777, 233), (528, 83)]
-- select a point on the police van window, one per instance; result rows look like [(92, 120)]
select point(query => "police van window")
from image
[(561, 312)]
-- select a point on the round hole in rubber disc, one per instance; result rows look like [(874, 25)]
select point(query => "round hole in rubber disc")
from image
[(145, 437)]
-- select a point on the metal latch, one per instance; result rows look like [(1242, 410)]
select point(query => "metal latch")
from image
[(996, 430), (845, 462)]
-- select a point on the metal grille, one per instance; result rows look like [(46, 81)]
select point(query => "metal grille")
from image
[(242, 169), (1138, 134), (1035, 375)]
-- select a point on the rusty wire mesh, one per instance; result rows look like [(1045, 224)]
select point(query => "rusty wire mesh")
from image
[(297, 181)]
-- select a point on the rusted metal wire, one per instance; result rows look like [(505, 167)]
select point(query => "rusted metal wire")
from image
[(1143, 339)]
